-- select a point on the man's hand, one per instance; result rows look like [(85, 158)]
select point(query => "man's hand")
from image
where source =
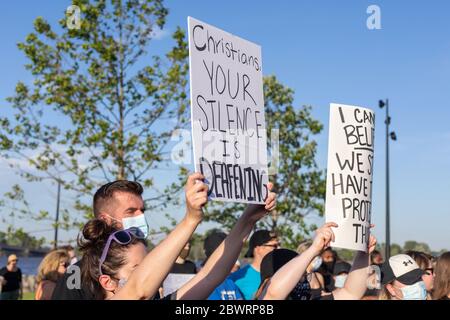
[(196, 196), (324, 235), (256, 211)]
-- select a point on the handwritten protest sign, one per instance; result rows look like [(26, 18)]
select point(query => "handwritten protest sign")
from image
[(227, 114), (349, 175)]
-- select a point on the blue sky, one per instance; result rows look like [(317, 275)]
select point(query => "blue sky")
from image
[(324, 51)]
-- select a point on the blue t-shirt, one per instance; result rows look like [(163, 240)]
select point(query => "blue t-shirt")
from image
[(248, 280), (227, 290)]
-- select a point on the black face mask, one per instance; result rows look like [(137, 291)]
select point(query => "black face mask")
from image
[(328, 266)]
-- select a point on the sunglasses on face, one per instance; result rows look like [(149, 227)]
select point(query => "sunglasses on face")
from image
[(122, 237), (429, 271)]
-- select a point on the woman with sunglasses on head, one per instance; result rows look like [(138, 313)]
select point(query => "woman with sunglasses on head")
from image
[(425, 262), (52, 267), (289, 279), (116, 265)]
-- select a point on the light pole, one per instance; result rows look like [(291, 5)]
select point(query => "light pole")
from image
[(393, 136), (55, 245)]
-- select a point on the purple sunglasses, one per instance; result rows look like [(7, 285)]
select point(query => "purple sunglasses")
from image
[(122, 237)]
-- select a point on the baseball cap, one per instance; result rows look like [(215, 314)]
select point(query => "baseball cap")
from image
[(402, 268), (274, 261), (258, 238), (212, 242), (340, 267)]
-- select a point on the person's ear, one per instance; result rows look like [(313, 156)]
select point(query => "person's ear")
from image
[(107, 283)]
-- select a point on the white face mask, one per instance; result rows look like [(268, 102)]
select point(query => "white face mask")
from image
[(340, 281), (139, 222), (416, 291), (316, 263)]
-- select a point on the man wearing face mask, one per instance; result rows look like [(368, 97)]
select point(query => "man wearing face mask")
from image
[(120, 203), (327, 267), (401, 278), (340, 272)]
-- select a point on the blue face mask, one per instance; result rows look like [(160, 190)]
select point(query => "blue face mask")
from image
[(340, 281), (139, 222), (417, 291), (316, 263)]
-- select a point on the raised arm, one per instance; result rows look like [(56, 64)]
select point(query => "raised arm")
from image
[(219, 264), (146, 279), (287, 277), (356, 283)]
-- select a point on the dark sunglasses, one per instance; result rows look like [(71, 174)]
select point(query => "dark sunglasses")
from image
[(122, 237), (429, 271)]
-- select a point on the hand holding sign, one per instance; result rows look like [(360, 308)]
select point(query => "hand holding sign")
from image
[(257, 211), (196, 196), (323, 238)]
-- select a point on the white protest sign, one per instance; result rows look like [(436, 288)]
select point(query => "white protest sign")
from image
[(175, 281), (227, 114), (349, 175)]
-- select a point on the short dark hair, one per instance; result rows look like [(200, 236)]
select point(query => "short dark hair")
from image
[(106, 192)]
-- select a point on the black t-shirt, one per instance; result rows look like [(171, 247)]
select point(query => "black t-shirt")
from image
[(13, 279), (65, 289), (188, 267)]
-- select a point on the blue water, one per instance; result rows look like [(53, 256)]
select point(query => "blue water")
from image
[(28, 265)]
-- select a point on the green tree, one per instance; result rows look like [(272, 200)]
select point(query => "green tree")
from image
[(19, 238), (300, 185), (416, 246), (100, 107)]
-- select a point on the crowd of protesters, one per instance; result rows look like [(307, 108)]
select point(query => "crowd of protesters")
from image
[(116, 264)]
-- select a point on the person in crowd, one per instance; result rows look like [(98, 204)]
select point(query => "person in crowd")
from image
[(401, 279), (425, 262), (116, 265), (227, 290), (71, 252), (182, 265), (52, 267), (441, 286), (11, 277), (182, 271), (340, 273), (329, 258), (376, 258), (248, 277), (289, 280), (120, 203), (315, 279), (271, 263)]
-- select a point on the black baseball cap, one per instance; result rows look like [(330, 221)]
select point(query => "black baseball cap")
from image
[(258, 238), (212, 242), (340, 267), (274, 261), (402, 268)]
